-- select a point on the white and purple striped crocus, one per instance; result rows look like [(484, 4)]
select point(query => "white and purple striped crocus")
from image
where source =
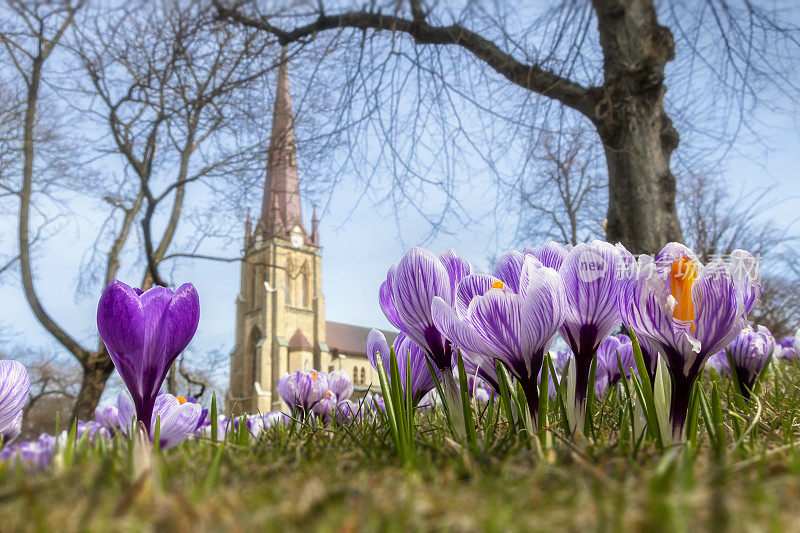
[(750, 352), (408, 292), (405, 349), (302, 390), (690, 310), (515, 327), (340, 384), (15, 384), (593, 284), (607, 357), (178, 419), (144, 333)]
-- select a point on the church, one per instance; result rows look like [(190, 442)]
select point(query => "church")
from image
[(280, 309)]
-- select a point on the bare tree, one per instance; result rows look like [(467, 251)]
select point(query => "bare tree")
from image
[(161, 80), (718, 222), (563, 199), (606, 61)]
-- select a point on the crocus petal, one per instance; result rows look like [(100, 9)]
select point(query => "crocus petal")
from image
[(419, 278), (178, 421), (15, 385), (377, 345), (550, 255), (340, 384), (126, 412), (673, 251), (420, 379), (509, 268), (544, 307), (592, 281), (472, 286), (718, 317), (457, 267), (386, 298), (746, 277), (121, 324), (459, 330), (750, 352)]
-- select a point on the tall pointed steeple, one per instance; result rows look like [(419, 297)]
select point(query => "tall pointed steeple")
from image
[(280, 207)]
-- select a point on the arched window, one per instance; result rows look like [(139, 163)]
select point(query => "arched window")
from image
[(355, 375), (251, 373), (363, 376)]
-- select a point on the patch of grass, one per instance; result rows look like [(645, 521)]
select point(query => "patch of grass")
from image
[(351, 479)]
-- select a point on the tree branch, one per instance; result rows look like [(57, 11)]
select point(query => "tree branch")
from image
[(531, 77)]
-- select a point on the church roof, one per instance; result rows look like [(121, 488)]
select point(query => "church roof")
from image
[(299, 341), (350, 339)]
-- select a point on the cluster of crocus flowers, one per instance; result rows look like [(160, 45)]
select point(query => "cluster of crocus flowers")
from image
[(311, 392), (678, 308), (15, 383), (690, 311)]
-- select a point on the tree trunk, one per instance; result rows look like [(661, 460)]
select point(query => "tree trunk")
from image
[(637, 134), (96, 370)]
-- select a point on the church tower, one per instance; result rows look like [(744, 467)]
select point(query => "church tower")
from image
[(280, 311)]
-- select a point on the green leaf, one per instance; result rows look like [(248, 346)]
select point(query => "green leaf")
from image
[(544, 397), (214, 428), (587, 413), (560, 386), (469, 419)]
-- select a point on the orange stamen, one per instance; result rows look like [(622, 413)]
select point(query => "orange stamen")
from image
[(181, 399), (497, 284), (682, 276)]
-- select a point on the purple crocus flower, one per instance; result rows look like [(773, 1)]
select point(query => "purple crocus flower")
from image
[(177, 420), (374, 402), (499, 323), (408, 292), (347, 411), (785, 347), (692, 311), (107, 417), (593, 283), (340, 384), (144, 333), (37, 453), (719, 362), (750, 352), (303, 389), (92, 429), (324, 408), (15, 384), (607, 356), (256, 424), (404, 348)]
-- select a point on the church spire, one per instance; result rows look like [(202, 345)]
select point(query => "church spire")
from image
[(280, 207)]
